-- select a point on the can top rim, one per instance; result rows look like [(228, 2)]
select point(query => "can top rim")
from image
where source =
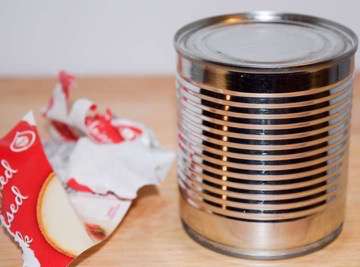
[(267, 41)]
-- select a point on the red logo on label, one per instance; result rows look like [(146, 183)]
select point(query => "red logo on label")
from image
[(23, 140)]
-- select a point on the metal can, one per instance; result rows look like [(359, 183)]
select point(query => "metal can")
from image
[(264, 103)]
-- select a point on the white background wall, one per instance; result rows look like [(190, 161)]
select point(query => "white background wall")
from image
[(121, 36)]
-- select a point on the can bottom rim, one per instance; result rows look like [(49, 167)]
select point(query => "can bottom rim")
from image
[(261, 254)]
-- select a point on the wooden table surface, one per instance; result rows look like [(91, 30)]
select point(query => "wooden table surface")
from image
[(151, 233)]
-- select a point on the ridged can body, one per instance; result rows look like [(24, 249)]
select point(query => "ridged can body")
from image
[(262, 149)]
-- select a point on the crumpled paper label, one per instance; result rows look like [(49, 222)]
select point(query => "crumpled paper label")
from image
[(63, 197)]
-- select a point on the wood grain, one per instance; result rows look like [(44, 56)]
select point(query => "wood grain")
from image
[(151, 234)]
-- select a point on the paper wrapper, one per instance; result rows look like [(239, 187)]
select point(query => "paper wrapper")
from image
[(63, 197)]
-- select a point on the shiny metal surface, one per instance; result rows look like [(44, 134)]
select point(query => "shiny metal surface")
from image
[(263, 139), (268, 40), (259, 254)]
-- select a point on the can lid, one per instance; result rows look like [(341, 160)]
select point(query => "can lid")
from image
[(265, 40)]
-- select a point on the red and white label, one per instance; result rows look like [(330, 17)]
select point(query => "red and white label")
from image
[(24, 169)]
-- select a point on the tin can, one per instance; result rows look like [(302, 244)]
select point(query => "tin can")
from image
[(264, 104)]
